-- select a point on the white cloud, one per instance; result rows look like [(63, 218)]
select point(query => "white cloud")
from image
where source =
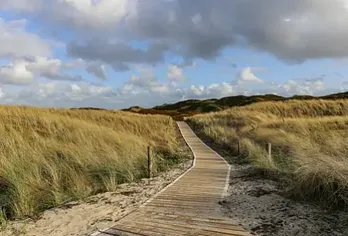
[(90, 13), (147, 81), (16, 73), (24, 71), (176, 74), (196, 91), (143, 92), (310, 86), (15, 41), (62, 94), (307, 86), (246, 75), (210, 91), (50, 69), (45, 66)]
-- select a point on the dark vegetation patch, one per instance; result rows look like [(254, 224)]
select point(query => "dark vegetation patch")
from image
[(192, 107)]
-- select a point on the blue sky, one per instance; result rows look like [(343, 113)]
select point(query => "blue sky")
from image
[(120, 53)]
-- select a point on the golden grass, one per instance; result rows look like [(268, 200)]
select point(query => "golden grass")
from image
[(309, 138), (50, 156)]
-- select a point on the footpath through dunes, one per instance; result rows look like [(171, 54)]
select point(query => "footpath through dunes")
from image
[(188, 206)]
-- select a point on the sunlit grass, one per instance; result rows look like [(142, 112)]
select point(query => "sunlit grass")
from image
[(50, 156), (309, 139)]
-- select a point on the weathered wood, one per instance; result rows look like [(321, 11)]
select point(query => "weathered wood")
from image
[(149, 162), (269, 150), (115, 232), (188, 206)]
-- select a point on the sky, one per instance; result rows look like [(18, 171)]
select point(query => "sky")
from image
[(120, 53)]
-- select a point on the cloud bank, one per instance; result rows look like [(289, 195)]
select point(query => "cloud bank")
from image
[(52, 39)]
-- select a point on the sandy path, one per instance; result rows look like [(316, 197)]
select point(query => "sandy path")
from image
[(94, 213)]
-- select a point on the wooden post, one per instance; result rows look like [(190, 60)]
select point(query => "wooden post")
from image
[(269, 149), (238, 148), (149, 164)]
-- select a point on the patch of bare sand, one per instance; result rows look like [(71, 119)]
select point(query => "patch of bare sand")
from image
[(95, 212), (256, 203)]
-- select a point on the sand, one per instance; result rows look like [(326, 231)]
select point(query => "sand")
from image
[(96, 212), (257, 203)]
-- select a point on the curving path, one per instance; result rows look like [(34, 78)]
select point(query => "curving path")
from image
[(188, 206)]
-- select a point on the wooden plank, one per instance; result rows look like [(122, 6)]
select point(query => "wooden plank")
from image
[(146, 229), (191, 223), (180, 228), (117, 232)]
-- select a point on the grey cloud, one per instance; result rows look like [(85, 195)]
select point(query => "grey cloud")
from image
[(62, 76), (119, 55), (188, 25), (187, 63), (344, 85), (21, 5), (98, 70), (294, 30), (143, 81)]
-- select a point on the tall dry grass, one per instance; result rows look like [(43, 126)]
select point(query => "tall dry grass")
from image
[(50, 156), (309, 139)]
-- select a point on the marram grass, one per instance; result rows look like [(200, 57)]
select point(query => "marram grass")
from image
[(50, 156), (309, 139)]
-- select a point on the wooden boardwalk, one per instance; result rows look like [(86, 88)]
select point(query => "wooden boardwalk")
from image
[(188, 206)]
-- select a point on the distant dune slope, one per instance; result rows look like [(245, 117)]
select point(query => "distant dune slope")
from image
[(194, 106)]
